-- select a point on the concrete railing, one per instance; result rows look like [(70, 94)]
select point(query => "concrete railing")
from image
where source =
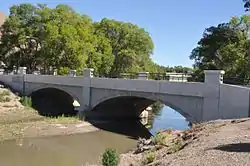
[(210, 75)]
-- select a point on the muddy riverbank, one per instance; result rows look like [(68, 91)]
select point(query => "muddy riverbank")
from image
[(18, 121)]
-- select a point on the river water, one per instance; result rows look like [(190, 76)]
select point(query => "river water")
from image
[(84, 149)]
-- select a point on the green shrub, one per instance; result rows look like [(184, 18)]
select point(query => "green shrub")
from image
[(148, 158), (26, 101), (63, 71), (110, 158), (177, 145), (159, 139)]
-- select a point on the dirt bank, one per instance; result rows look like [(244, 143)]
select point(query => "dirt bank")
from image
[(17, 121), (217, 143)]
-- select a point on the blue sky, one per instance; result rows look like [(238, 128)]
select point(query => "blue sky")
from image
[(175, 26)]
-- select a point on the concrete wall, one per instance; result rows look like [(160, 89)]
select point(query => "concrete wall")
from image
[(13, 81), (188, 106), (234, 101), (172, 88)]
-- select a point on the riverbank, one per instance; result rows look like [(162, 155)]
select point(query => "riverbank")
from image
[(216, 143), (18, 121)]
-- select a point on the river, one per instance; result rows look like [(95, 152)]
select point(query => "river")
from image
[(80, 149)]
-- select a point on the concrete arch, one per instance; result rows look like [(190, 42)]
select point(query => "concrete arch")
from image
[(61, 88), (53, 101), (149, 99)]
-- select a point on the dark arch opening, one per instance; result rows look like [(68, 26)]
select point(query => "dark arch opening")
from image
[(124, 114), (122, 107), (53, 102)]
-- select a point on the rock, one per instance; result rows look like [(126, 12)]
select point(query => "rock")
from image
[(144, 114)]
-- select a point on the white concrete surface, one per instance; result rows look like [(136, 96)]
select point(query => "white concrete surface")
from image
[(196, 101)]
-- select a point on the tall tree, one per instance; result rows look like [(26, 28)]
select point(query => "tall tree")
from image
[(223, 47), (246, 4), (131, 45)]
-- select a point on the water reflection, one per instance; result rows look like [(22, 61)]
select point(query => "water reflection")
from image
[(163, 118)]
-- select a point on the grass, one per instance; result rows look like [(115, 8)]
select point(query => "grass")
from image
[(63, 119), (26, 101)]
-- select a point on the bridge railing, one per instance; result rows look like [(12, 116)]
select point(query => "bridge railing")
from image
[(174, 77)]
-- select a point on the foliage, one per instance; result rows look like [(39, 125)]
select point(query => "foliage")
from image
[(157, 107), (226, 47), (26, 101), (148, 158), (246, 4), (110, 158), (160, 139), (43, 38)]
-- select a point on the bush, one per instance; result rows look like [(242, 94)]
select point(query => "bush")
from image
[(110, 158), (26, 101), (159, 139), (148, 158)]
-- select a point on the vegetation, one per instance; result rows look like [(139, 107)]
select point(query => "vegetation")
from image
[(160, 139), (63, 119), (43, 38), (224, 47), (148, 158), (4, 96), (246, 4), (26, 101), (110, 158)]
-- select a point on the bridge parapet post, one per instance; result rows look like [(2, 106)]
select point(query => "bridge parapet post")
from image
[(1, 71), (72, 73), (88, 72), (22, 70), (55, 72), (142, 75), (213, 80), (214, 76)]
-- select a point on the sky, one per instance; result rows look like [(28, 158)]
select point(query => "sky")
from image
[(175, 26)]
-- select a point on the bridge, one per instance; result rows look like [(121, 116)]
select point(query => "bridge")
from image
[(116, 97)]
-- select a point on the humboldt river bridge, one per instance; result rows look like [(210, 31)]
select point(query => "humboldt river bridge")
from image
[(120, 97)]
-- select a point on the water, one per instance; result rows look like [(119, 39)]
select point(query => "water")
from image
[(79, 149), (168, 118)]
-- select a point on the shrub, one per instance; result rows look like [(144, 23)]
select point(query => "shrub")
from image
[(148, 158), (177, 145), (159, 139), (110, 158), (26, 101)]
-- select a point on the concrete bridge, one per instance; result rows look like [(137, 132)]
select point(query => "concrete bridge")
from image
[(114, 97)]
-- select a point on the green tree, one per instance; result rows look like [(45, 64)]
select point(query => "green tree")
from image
[(246, 4), (224, 47), (20, 43), (131, 45)]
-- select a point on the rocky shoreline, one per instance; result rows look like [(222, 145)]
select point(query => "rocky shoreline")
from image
[(214, 143)]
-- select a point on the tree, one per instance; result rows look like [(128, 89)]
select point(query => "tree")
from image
[(39, 37), (131, 45), (20, 44), (43, 38), (224, 47), (246, 4)]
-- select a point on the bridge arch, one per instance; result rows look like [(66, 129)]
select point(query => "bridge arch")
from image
[(53, 101), (133, 104)]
